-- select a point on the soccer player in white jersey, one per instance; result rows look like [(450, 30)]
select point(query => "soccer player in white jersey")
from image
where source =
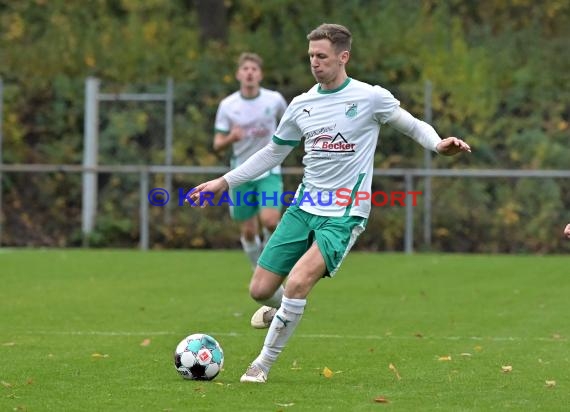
[(246, 120), (339, 119)]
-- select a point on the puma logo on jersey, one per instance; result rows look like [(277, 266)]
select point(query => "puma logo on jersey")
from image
[(308, 110)]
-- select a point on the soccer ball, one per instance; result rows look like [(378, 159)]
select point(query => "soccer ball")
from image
[(199, 357)]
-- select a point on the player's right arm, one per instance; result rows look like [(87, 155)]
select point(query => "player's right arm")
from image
[(260, 162)]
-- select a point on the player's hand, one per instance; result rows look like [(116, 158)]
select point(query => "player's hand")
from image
[(206, 190), (451, 146), (237, 133), (567, 231)]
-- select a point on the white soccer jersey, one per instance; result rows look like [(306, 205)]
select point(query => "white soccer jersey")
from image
[(258, 117), (341, 130)]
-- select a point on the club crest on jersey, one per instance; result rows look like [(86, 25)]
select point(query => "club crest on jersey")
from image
[(336, 144), (351, 110)]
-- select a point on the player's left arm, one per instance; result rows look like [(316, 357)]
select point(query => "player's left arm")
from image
[(425, 134)]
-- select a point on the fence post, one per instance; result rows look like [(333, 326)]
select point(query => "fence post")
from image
[(90, 149), (409, 230), (427, 166), (143, 224), (1, 111), (168, 143)]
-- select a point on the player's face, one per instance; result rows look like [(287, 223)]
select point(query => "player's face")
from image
[(249, 74), (327, 65)]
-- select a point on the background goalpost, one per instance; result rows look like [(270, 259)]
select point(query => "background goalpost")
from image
[(91, 143)]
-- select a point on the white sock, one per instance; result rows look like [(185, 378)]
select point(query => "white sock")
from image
[(284, 323), (275, 300), (252, 249)]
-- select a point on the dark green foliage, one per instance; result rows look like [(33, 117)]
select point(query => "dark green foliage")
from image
[(500, 76)]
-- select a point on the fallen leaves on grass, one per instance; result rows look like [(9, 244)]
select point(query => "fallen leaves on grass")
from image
[(327, 373), (5, 384), (550, 384), (285, 405), (295, 366), (465, 354), (145, 342), (99, 355), (506, 368), (9, 344), (444, 358), (381, 399), (392, 367)]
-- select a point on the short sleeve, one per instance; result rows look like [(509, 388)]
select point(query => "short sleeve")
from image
[(383, 103), (222, 123)]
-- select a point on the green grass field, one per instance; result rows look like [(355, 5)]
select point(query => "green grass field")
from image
[(95, 331)]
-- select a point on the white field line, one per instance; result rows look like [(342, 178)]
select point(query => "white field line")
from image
[(307, 336)]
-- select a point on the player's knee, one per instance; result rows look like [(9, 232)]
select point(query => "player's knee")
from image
[(259, 293), (270, 220)]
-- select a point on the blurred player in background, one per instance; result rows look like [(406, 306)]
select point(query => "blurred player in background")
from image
[(246, 120), (339, 119), (567, 231)]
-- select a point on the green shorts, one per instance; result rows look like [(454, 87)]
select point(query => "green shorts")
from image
[(298, 230), (248, 199)]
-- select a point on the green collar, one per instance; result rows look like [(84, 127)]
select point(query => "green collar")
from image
[(342, 86)]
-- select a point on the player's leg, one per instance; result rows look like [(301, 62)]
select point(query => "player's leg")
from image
[(263, 316), (334, 237), (270, 191), (265, 288), (269, 218), (250, 241), (304, 275), (284, 248), (245, 212)]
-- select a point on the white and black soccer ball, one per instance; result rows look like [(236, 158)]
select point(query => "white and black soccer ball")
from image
[(199, 357)]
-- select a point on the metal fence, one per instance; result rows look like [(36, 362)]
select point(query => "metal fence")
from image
[(410, 176), (90, 169)]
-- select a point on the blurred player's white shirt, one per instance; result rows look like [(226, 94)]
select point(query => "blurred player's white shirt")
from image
[(341, 129), (257, 116)]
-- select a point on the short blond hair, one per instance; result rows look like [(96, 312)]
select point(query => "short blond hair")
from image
[(338, 35), (252, 57)]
